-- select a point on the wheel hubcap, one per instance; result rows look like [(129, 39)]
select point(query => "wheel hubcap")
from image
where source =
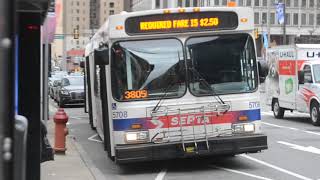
[(276, 108), (314, 114)]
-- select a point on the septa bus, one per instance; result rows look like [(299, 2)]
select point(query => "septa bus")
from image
[(172, 83), (293, 80)]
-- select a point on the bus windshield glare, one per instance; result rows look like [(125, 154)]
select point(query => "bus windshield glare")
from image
[(226, 62), (148, 69)]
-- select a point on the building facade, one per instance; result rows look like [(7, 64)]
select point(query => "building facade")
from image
[(302, 16), (84, 15)]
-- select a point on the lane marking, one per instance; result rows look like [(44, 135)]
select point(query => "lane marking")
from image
[(240, 172), (287, 114), (291, 128), (310, 149), (161, 174), (91, 138), (276, 167)]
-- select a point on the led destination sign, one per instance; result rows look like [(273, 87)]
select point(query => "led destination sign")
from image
[(182, 22)]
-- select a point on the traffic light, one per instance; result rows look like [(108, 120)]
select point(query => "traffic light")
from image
[(75, 33), (256, 33)]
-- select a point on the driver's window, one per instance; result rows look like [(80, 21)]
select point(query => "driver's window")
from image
[(307, 74)]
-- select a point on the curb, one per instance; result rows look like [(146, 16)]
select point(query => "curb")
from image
[(95, 172)]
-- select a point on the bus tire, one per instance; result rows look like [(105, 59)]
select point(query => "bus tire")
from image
[(278, 111), (314, 113)]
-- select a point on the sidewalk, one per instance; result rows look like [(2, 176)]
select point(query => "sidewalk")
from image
[(69, 166)]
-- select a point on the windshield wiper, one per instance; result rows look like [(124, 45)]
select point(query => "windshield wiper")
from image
[(212, 91), (156, 108)]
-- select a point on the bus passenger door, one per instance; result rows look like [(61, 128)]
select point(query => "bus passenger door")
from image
[(105, 111), (98, 103)]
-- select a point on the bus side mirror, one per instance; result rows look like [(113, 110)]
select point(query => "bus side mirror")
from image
[(301, 77), (101, 56), (263, 70)]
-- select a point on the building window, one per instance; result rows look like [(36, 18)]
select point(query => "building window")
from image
[(179, 3), (224, 2), (77, 42), (256, 2), (111, 12), (318, 19), (288, 3), (105, 11), (288, 20), (272, 18), (311, 19), (265, 3), (311, 3), (111, 5), (240, 2), (78, 11), (264, 18), (303, 19), (84, 3), (78, 3), (187, 3), (296, 3), (216, 2), (105, 3), (78, 19), (195, 3), (256, 18), (318, 4), (295, 19), (303, 3), (248, 2), (157, 4)]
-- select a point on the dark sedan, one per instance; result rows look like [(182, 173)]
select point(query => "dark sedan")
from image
[(71, 91)]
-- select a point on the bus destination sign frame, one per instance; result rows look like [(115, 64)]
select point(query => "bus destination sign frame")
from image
[(182, 22)]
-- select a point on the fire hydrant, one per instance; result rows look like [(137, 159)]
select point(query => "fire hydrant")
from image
[(61, 131)]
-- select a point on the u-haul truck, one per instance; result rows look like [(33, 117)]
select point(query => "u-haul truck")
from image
[(293, 82)]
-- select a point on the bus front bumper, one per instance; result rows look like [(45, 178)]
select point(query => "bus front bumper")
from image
[(217, 146)]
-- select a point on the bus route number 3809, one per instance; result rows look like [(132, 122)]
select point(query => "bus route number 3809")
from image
[(119, 114)]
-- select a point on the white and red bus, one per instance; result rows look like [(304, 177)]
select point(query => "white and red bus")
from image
[(173, 83)]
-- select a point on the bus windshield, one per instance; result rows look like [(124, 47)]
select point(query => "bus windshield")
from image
[(147, 69), (226, 62)]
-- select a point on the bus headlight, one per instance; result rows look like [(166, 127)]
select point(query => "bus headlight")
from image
[(243, 128), (136, 137)]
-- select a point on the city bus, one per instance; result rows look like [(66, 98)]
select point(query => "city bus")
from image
[(175, 83)]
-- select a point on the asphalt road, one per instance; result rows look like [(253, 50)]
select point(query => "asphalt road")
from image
[(294, 153)]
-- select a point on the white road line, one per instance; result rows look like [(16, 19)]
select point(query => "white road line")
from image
[(276, 167), (240, 172), (311, 132), (91, 138), (291, 128), (274, 125), (161, 174)]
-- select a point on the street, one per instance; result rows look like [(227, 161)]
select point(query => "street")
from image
[(294, 153)]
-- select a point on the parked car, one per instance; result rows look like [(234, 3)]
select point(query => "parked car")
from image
[(55, 89), (71, 91)]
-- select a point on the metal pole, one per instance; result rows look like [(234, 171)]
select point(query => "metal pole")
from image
[(45, 67), (64, 57), (7, 29), (284, 23), (268, 23)]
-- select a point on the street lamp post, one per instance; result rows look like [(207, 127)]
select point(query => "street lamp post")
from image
[(284, 23)]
